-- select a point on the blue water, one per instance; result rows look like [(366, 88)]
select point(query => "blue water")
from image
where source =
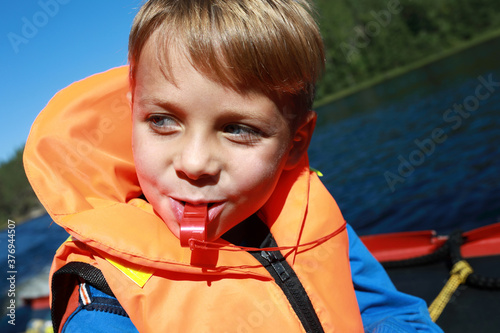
[(361, 138), (383, 181), (35, 244)]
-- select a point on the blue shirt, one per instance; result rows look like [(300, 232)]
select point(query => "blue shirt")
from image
[(383, 308)]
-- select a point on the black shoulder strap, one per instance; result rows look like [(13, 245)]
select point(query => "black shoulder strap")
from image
[(64, 281)]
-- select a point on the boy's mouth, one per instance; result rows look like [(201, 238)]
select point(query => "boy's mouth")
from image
[(210, 204), (214, 208)]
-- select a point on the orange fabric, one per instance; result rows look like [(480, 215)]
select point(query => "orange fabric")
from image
[(78, 159), (73, 304)]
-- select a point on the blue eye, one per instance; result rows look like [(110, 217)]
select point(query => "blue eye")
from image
[(242, 134), (162, 123), (237, 129)]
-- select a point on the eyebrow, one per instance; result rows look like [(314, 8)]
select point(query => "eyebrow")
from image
[(157, 101), (162, 103), (241, 112)]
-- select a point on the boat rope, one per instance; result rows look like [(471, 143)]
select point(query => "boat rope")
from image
[(455, 240), (461, 272), (458, 275), (449, 251)]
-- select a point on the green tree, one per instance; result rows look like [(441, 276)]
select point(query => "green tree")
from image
[(17, 198), (360, 45)]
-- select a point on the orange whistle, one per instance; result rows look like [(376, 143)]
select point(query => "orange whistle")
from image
[(193, 224)]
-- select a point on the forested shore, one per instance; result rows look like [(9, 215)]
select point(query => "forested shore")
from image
[(18, 202), (366, 41)]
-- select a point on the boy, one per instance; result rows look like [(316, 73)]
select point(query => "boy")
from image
[(198, 211)]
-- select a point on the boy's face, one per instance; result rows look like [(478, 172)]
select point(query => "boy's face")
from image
[(197, 141)]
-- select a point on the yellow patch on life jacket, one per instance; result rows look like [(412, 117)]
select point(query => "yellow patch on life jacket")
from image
[(139, 274)]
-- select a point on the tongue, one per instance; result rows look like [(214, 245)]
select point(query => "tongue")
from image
[(193, 224)]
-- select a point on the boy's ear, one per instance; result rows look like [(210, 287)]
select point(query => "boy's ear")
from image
[(301, 140), (129, 99)]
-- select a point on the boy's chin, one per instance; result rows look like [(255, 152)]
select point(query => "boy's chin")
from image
[(172, 225)]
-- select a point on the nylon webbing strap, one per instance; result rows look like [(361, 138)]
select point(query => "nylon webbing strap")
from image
[(64, 282), (458, 275)]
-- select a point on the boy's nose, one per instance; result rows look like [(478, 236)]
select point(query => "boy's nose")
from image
[(197, 160)]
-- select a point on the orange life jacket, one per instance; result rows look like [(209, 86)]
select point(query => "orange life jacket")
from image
[(78, 159)]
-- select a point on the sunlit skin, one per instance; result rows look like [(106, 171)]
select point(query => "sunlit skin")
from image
[(197, 141)]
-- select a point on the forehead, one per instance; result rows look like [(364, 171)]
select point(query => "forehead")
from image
[(175, 69), (182, 87), (173, 64)]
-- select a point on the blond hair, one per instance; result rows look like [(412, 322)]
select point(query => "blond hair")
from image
[(271, 46)]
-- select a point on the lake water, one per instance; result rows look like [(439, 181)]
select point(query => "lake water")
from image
[(421, 151), (395, 157)]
